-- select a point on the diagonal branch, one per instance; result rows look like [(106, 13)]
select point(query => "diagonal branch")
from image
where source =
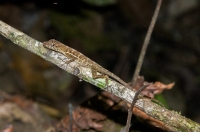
[(174, 120)]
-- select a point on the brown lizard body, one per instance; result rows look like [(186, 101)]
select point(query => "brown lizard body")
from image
[(74, 55)]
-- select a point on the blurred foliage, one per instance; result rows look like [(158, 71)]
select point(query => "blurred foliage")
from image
[(162, 100), (87, 28), (100, 2)]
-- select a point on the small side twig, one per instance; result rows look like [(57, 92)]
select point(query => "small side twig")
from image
[(146, 43), (132, 105)]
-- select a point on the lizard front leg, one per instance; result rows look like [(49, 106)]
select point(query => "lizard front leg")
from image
[(68, 61)]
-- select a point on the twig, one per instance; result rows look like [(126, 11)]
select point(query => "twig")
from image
[(132, 105), (145, 44)]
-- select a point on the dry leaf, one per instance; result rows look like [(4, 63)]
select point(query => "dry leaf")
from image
[(156, 88), (83, 119), (153, 89)]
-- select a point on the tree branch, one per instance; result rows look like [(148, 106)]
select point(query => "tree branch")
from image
[(169, 118)]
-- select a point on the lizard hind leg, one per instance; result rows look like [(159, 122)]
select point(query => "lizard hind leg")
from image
[(95, 76)]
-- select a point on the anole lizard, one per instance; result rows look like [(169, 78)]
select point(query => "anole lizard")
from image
[(82, 60)]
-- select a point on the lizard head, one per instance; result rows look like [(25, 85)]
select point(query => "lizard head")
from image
[(51, 44)]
